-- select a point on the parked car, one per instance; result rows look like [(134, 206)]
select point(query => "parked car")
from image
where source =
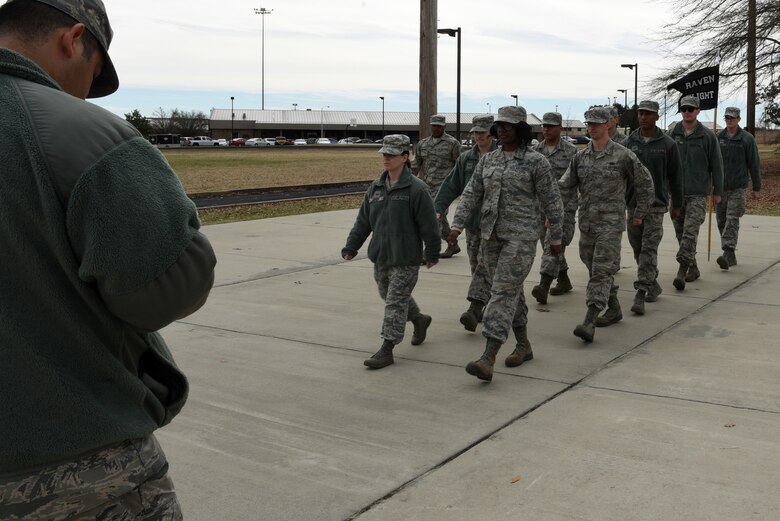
[(569, 139), (203, 141), (363, 141), (582, 140), (221, 142), (237, 142), (299, 142), (323, 141), (257, 142), (281, 140), (185, 141), (270, 140)]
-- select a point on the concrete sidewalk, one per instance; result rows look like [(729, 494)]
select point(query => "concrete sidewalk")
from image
[(673, 415)]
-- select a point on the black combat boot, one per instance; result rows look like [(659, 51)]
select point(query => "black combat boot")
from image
[(472, 316), (639, 302), (679, 279), (654, 292), (421, 323), (381, 358), (612, 315), (483, 368), (540, 291), (563, 285), (731, 257), (727, 260), (522, 352), (587, 329), (693, 273), (451, 250)]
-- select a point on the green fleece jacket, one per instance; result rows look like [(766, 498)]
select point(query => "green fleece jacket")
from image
[(661, 157), (740, 160), (399, 221), (100, 248), (701, 160)]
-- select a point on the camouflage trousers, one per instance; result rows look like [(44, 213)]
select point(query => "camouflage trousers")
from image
[(600, 252), (644, 240), (444, 224), (686, 227), (551, 265), (396, 284), (125, 482), (727, 213), (508, 263), (479, 287)]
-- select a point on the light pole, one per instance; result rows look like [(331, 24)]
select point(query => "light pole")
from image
[(625, 102), (634, 67), (489, 110), (556, 108), (232, 117), (295, 106), (514, 96), (322, 125), (454, 33), (383, 115), (262, 11)]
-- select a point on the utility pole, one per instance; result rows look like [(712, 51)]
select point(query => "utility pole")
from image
[(428, 64), (751, 68)]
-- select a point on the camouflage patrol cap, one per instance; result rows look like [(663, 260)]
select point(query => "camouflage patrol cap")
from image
[(597, 115), (731, 112), (482, 123), (511, 114), (92, 13), (648, 106), (438, 119), (690, 101), (552, 118), (395, 144)]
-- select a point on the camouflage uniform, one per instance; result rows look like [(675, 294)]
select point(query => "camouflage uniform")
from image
[(119, 483), (559, 159), (395, 284), (453, 187), (740, 162), (601, 179), (703, 168), (433, 161), (508, 192), (660, 156)]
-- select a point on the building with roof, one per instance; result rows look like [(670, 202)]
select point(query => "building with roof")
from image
[(340, 124)]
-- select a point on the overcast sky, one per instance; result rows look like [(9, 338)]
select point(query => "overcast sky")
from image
[(195, 54)]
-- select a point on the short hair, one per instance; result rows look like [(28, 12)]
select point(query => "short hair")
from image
[(32, 22)]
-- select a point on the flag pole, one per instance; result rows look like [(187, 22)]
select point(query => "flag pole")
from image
[(710, 203)]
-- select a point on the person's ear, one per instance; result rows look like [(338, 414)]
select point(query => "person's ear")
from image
[(71, 41)]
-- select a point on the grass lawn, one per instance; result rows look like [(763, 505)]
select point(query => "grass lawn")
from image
[(226, 169)]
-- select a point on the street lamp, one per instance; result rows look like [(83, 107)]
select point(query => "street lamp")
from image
[(514, 96), (454, 33), (625, 102), (634, 67), (383, 115), (488, 105), (322, 127), (295, 106), (556, 108), (232, 117), (262, 11)]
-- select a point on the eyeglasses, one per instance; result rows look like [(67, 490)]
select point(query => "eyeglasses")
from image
[(688, 109)]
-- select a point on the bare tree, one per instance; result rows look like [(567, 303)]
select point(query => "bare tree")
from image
[(186, 123), (743, 36)]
